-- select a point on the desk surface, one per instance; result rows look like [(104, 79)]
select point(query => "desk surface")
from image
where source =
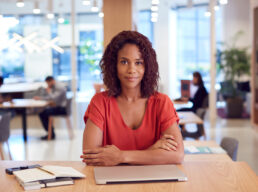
[(189, 117), (24, 103), (21, 87), (205, 157), (202, 176), (182, 104)]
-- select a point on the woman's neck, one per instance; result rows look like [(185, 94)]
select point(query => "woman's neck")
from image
[(130, 94)]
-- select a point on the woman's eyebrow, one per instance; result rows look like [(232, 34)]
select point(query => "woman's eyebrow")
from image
[(138, 59)]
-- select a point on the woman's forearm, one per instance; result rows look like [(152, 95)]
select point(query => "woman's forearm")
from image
[(155, 156)]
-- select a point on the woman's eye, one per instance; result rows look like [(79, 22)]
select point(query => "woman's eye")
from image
[(139, 63), (123, 62)]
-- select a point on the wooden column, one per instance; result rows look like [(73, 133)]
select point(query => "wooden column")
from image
[(212, 95), (254, 71), (73, 64), (118, 16)]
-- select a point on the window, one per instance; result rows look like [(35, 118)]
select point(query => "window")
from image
[(145, 26), (193, 42)]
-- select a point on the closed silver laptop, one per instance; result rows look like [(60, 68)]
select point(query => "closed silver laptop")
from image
[(137, 174)]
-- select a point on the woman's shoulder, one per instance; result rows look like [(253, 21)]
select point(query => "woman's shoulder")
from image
[(101, 97), (157, 96)]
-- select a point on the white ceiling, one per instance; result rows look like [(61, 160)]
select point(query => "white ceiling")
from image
[(63, 6)]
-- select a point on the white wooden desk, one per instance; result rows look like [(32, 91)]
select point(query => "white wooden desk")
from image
[(188, 118), (22, 105), (202, 176), (205, 157)]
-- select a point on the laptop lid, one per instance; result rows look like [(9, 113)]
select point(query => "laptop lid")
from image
[(136, 174)]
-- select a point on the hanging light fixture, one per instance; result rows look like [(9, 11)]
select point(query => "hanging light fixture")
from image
[(86, 2), (216, 7), (101, 14), (36, 9), (61, 20), (95, 6), (50, 14), (20, 3)]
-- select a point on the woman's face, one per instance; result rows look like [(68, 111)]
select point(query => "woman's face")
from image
[(130, 66), (195, 80)]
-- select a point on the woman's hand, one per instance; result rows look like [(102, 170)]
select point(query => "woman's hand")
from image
[(165, 142), (109, 155)]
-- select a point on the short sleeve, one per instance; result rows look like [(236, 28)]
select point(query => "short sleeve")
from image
[(96, 111), (168, 114)]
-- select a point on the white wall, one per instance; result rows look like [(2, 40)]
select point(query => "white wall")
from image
[(161, 39), (237, 17), (38, 64)]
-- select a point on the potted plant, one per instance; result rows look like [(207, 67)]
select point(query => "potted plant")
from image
[(234, 62)]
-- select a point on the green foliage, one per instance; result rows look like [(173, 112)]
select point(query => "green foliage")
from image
[(234, 62), (91, 52)]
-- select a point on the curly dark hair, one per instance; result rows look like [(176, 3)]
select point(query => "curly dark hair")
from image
[(108, 63)]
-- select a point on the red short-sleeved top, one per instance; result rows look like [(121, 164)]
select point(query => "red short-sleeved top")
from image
[(104, 112)]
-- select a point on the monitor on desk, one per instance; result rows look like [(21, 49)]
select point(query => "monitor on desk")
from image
[(138, 174), (185, 88)]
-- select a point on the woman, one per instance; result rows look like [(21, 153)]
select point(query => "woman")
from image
[(200, 95), (131, 122)]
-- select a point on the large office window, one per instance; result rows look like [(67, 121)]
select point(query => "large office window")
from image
[(193, 42), (145, 26), (11, 58)]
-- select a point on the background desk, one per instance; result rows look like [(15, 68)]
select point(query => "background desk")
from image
[(17, 90), (205, 157), (22, 105), (202, 176), (188, 118)]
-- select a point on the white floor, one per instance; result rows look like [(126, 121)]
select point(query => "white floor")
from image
[(64, 149)]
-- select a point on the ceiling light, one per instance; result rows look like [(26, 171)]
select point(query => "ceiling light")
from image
[(101, 14), (207, 13), (216, 7), (154, 8), (155, 2), (154, 14), (154, 19), (36, 9), (61, 20), (50, 16), (95, 6), (86, 2), (20, 3), (223, 2)]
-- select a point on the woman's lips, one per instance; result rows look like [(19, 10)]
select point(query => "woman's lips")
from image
[(131, 79)]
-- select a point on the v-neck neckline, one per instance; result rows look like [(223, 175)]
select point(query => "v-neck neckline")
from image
[(121, 116)]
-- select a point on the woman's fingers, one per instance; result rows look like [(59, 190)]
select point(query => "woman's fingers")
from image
[(92, 151), (171, 142), (90, 156), (166, 136)]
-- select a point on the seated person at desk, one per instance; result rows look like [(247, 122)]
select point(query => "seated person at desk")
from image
[(131, 122), (199, 96), (56, 95), (6, 98), (1, 83)]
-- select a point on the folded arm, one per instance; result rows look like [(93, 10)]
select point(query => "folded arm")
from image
[(94, 154)]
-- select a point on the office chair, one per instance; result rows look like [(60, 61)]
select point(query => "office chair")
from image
[(5, 132), (201, 113), (67, 118), (230, 145)]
